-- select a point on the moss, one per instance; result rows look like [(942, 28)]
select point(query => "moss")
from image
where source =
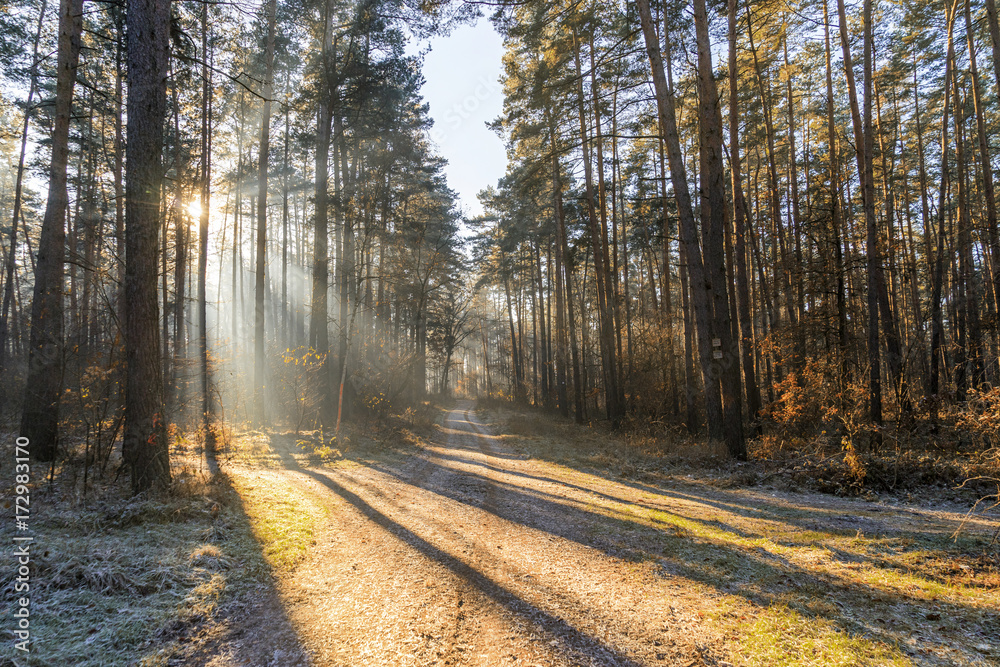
[(780, 635), (284, 518)]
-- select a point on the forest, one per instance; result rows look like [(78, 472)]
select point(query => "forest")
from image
[(727, 332)]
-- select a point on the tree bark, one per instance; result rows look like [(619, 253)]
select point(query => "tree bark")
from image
[(285, 314), (937, 331), (740, 223), (601, 274), (145, 443), (775, 194), (319, 333), (994, 27), (967, 365), (261, 258), (725, 368), (871, 245), (701, 297), (984, 158), (206, 198), (793, 180), (835, 212), (561, 357), (40, 417)]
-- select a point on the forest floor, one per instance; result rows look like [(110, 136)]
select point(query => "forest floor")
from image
[(503, 537)]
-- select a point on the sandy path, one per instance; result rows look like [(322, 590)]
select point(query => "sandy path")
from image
[(465, 555), (467, 552)]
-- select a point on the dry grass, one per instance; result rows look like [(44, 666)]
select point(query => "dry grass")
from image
[(780, 635), (119, 580), (630, 451), (107, 585), (910, 465)]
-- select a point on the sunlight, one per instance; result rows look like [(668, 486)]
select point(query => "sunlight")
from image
[(194, 209)]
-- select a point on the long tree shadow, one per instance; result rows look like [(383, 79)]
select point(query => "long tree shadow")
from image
[(830, 520), (831, 523), (571, 641), (714, 558), (461, 460), (716, 554), (258, 631)]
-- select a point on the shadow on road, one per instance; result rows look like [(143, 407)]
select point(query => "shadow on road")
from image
[(572, 641)]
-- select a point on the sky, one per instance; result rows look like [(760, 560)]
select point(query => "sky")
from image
[(462, 73)]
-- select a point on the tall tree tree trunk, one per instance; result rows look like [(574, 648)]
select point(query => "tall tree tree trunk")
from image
[(544, 362), (666, 300), (319, 333), (967, 364), (561, 357), (40, 416), (345, 186), (779, 247), (740, 222), (598, 242), (237, 258), (871, 246), (206, 199), (118, 169), (690, 383), (937, 330), (835, 211), (616, 402), (515, 348), (701, 297), (994, 27), (726, 355), (319, 330), (261, 259), (285, 314), (145, 443), (563, 264), (181, 222), (984, 158), (793, 180), (924, 216), (863, 138)]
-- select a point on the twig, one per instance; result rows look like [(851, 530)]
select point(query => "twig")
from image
[(968, 514)]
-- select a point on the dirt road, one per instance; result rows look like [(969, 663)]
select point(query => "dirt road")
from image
[(462, 557), (468, 553)]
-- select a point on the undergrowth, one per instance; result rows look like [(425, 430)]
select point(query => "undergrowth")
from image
[(945, 462), (123, 580)]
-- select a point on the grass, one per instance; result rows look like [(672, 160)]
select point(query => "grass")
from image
[(780, 635), (284, 519), (113, 578), (119, 580)]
